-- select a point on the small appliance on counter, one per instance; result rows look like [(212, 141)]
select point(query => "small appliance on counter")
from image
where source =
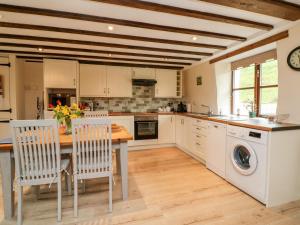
[(64, 96), (181, 107)]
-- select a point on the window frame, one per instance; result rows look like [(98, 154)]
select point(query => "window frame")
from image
[(257, 89)]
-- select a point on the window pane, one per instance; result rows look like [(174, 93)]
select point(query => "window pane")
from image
[(244, 77), (269, 73), (241, 99), (268, 100)]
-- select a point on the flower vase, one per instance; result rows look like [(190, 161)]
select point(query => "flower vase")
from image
[(68, 126)]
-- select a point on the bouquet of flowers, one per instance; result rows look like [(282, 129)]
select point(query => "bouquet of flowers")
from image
[(65, 114)]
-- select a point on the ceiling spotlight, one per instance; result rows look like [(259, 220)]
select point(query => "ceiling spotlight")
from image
[(165, 59), (109, 55), (111, 28), (194, 38), (40, 49), (1, 16)]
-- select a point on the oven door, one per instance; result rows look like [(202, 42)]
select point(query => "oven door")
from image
[(144, 130)]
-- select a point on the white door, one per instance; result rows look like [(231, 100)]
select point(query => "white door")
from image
[(179, 130), (166, 129), (60, 73), (166, 83), (92, 80), (119, 81), (143, 73), (216, 148)]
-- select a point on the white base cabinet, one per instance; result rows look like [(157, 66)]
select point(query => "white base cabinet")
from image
[(216, 148), (199, 138), (166, 129), (125, 121)]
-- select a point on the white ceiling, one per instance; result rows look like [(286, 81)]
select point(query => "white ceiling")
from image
[(120, 12)]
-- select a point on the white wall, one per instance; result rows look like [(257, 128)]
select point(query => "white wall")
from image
[(215, 88), (201, 94), (289, 80)]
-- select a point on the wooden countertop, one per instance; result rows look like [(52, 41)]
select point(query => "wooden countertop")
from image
[(66, 140), (255, 123)]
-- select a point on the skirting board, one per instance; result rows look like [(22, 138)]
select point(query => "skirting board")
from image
[(191, 154), (144, 147)]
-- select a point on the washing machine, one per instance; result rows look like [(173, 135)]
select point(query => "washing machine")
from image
[(247, 160)]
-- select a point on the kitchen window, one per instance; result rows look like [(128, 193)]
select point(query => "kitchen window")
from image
[(255, 86)]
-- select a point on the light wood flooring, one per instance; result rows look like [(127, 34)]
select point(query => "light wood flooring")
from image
[(166, 186)]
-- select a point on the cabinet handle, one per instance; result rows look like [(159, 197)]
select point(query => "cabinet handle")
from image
[(171, 119), (216, 126), (74, 82), (198, 128), (108, 90), (197, 136), (197, 143), (104, 89)]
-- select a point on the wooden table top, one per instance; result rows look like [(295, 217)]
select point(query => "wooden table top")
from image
[(119, 136)]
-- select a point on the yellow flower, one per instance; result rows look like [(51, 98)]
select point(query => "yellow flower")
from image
[(65, 111), (75, 106), (73, 116)]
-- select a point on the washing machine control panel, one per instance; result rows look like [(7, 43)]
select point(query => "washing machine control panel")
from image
[(248, 134)]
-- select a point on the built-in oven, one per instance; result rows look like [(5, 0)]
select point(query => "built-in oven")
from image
[(145, 127)]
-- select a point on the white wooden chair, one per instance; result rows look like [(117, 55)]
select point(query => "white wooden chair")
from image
[(37, 157), (92, 153), (95, 114)]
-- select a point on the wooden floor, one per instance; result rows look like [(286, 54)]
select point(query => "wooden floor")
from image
[(166, 186)]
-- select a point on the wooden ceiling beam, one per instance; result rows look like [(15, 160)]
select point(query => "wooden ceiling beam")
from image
[(278, 8), (90, 43), (83, 56), (187, 13), (109, 35), (107, 20), (102, 62), (128, 47), (255, 45)]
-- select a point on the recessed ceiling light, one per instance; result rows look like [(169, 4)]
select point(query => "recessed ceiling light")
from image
[(40, 49), (111, 28), (165, 59), (1, 16), (194, 38), (109, 55)]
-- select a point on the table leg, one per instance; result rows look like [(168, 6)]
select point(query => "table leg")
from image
[(124, 168), (7, 173), (118, 161)]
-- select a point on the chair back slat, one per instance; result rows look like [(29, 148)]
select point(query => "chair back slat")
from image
[(92, 146), (36, 149), (95, 114)]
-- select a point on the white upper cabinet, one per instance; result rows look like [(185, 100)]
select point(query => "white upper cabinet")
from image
[(60, 73), (166, 129), (119, 81), (92, 80), (166, 83), (143, 73)]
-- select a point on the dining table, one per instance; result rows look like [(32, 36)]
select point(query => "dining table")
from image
[(120, 138)]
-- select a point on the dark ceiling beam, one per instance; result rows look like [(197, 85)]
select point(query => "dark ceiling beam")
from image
[(107, 20), (101, 62), (131, 47), (109, 35), (268, 40), (89, 43), (187, 13), (83, 56), (275, 8)]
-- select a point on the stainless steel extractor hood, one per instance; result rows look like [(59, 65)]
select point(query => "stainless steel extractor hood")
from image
[(143, 82)]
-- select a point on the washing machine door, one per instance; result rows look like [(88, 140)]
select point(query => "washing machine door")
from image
[(244, 159)]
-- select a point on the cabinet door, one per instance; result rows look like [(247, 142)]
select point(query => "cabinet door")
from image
[(166, 129), (179, 130), (92, 80), (125, 121), (188, 137), (119, 81), (215, 153), (60, 73), (143, 73), (166, 83)]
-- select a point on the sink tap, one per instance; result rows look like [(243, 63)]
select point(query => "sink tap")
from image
[(209, 113)]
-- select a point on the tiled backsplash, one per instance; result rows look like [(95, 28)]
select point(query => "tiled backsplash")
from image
[(142, 101)]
